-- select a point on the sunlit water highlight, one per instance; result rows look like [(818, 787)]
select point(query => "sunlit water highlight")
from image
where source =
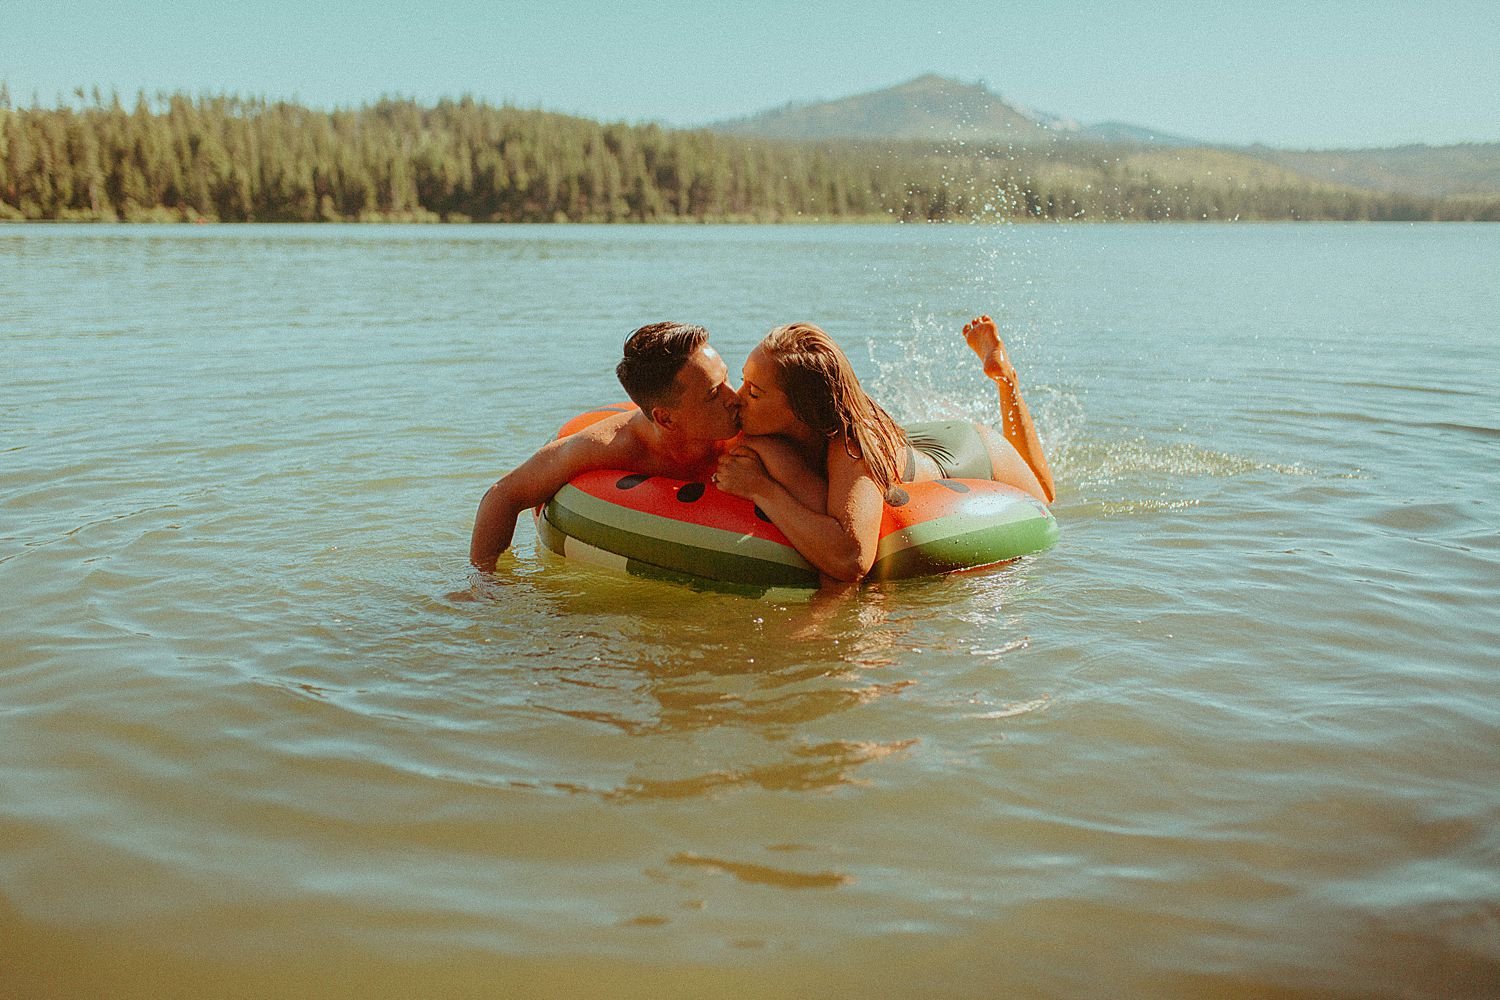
[(261, 731)]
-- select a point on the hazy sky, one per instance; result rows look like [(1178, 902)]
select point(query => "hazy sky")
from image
[(1302, 74)]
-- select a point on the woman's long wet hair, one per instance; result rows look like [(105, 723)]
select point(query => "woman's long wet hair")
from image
[(826, 395)]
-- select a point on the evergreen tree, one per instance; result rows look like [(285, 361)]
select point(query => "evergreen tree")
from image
[(239, 160)]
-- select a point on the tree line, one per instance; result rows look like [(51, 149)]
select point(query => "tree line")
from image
[(231, 159)]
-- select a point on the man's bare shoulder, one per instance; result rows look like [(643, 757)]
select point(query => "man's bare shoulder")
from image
[(618, 440), (631, 441)]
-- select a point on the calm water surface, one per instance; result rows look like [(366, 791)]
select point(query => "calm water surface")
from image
[(261, 731)]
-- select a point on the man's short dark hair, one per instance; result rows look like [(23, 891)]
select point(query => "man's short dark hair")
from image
[(654, 355)]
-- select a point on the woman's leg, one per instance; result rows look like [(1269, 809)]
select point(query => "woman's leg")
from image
[(1015, 419), (1008, 467)]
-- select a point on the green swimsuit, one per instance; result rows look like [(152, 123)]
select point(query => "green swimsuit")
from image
[(955, 445)]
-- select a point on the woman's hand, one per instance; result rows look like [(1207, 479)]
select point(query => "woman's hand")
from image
[(741, 473)]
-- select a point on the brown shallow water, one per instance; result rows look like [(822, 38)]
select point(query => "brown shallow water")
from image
[(262, 733)]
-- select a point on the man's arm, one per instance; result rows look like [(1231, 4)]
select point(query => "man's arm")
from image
[(535, 480)]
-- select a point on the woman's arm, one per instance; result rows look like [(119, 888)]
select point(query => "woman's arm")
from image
[(785, 464), (857, 504), (839, 540)]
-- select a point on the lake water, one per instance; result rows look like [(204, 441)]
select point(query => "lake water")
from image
[(263, 733)]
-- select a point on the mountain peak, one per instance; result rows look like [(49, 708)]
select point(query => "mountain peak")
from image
[(931, 107), (932, 81)]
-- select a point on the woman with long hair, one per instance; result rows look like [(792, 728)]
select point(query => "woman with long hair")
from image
[(819, 455)]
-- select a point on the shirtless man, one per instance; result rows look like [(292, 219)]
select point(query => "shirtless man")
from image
[(687, 411)]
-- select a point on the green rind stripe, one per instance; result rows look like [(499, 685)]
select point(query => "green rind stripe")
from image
[(946, 544), (637, 568), (934, 531), (668, 555), (982, 546), (652, 527), (553, 539), (582, 552)]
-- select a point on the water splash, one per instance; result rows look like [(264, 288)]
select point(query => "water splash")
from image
[(923, 369)]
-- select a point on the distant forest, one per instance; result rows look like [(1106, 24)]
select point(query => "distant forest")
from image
[(228, 159)]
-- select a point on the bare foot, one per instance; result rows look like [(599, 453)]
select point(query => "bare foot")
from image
[(984, 340), (1015, 419)]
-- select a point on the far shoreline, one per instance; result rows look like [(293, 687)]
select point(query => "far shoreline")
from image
[(729, 223)]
